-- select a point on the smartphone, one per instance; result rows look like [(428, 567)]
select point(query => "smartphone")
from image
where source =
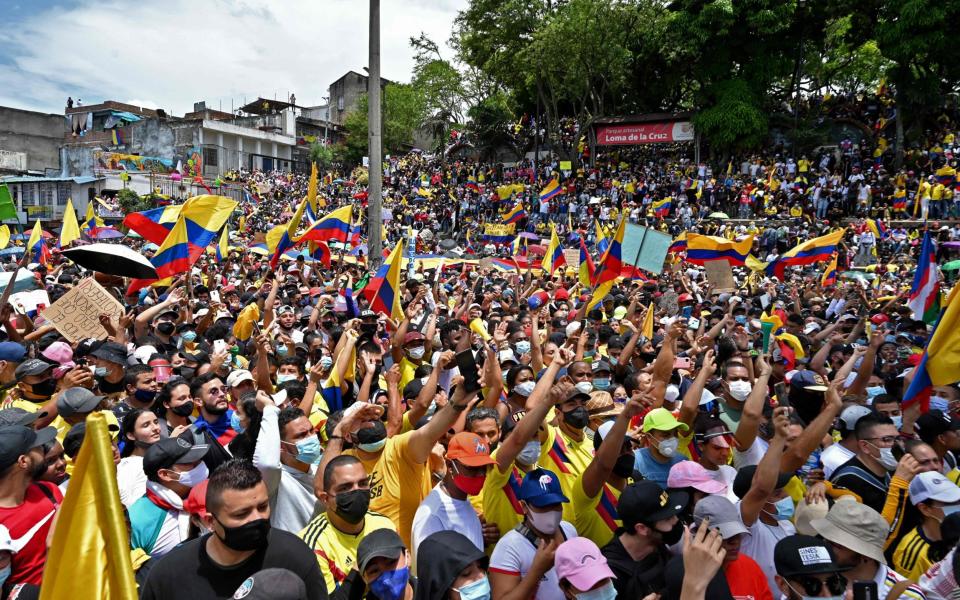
[(687, 311), (693, 323), (783, 397), (467, 365), (865, 590), (219, 346), (682, 362), (214, 296)]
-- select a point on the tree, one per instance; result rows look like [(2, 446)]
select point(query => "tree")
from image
[(403, 112), (131, 202), (322, 155)]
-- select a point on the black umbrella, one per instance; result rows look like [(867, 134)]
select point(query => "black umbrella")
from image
[(112, 259), (447, 244)]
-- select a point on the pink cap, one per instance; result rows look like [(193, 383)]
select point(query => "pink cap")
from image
[(578, 560), (59, 352), (687, 473)]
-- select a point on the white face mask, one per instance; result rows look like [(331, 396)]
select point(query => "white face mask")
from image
[(530, 453), (194, 476), (740, 390), (525, 388), (584, 387), (668, 447), (417, 353), (545, 522)]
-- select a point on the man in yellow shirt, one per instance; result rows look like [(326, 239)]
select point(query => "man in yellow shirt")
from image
[(569, 449), (335, 535), (935, 497)]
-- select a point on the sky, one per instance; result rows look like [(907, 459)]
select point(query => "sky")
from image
[(172, 53)]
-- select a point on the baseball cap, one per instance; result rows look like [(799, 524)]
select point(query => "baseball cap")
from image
[(12, 352), (112, 352), (579, 561), (286, 309), (688, 473), (646, 502), (809, 380), (619, 312), (851, 414), (722, 513), (932, 423), (272, 584), (470, 449), (601, 365), (505, 356), (171, 451), (413, 336), (381, 543), (803, 555), (933, 486), (855, 526), (31, 366), (662, 419), (744, 478), (601, 405), (540, 488), (18, 416), (238, 376), (17, 440), (77, 401)]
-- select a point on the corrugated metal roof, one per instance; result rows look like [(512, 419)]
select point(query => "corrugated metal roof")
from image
[(32, 179)]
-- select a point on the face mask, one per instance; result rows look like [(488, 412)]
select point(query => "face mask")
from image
[(165, 328), (546, 522), (326, 363), (352, 505), (668, 447), (607, 592), (886, 458), (188, 336), (194, 476), (45, 388), (309, 450), (145, 396), (876, 390), (391, 585), (601, 383), (470, 485), (187, 372), (940, 403), (673, 536), (624, 466), (246, 537), (417, 353), (577, 418), (584, 387), (282, 351), (100, 372), (898, 421), (5, 574), (739, 390), (785, 509), (235, 422), (525, 388), (285, 377), (522, 347), (613, 361), (373, 446), (183, 410), (530, 453), (588, 354), (477, 590)]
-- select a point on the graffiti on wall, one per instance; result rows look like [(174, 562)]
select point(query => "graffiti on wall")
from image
[(117, 161)]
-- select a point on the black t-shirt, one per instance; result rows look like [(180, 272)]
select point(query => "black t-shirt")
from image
[(106, 387), (189, 572), (856, 477)]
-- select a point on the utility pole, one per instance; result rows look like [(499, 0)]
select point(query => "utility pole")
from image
[(375, 186)]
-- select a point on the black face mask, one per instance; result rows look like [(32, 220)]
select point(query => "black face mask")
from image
[(577, 418), (45, 388), (183, 410), (185, 372), (166, 328), (352, 505), (368, 328), (624, 466), (249, 536), (673, 536)]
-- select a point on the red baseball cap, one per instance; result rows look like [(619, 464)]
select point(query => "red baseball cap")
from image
[(470, 449), (561, 294)]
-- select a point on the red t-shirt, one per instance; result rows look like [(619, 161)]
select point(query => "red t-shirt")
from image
[(29, 524), (746, 580)]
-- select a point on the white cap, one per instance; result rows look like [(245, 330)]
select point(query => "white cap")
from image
[(572, 328), (506, 355), (238, 376), (142, 355), (811, 327), (852, 414), (706, 396), (672, 393), (933, 486)]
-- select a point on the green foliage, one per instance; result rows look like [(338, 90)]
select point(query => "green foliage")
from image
[(490, 125), (322, 154), (403, 112), (734, 119), (130, 201)]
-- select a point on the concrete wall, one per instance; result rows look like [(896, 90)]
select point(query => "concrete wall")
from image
[(37, 134)]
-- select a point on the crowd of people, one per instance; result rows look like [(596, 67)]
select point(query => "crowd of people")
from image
[(507, 436)]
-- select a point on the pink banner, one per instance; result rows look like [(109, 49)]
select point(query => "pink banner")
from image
[(645, 133)]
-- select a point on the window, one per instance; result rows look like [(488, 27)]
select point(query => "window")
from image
[(46, 194), (340, 103), (211, 157), (29, 193)]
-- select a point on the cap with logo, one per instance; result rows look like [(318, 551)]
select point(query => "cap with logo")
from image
[(469, 449), (77, 401), (722, 514), (933, 486), (381, 543), (541, 488), (933, 423), (808, 380), (798, 555), (31, 366), (646, 502), (601, 366), (171, 451), (17, 440), (579, 561), (662, 419), (272, 584), (854, 526)]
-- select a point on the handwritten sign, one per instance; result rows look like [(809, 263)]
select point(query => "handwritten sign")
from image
[(566, 165), (77, 313), (572, 256), (720, 275)]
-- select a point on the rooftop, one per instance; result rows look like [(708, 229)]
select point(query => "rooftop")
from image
[(111, 105), (33, 179)]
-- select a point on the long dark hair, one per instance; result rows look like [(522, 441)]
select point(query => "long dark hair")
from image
[(165, 393), (128, 426), (243, 445)]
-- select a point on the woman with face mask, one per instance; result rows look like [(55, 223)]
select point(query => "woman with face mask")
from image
[(457, 569), (140, 430), (520, 381), (583, 571)]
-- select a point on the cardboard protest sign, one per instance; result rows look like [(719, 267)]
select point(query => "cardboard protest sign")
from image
[(76, 314), (572, 256), (720, 275)]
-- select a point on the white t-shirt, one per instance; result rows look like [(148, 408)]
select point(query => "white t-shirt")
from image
[(131, 479), (833, 456), (440, 512), (513, 555), (725, 474), (760, 543)]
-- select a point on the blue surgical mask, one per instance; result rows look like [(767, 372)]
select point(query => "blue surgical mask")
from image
[(522, 347), (391, 585), (875, 391), (235, 422), (188, 336), (282, 350), (898, 421), (284, 377), (949, 509), (326, 362), (601, 383), (100, 372), (477, 590), (309, 450), (5, 574), (605, 592), (785, 509), (373, 446), (940, 403)]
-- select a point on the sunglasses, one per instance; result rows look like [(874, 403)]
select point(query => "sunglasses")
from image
[(836, 584)]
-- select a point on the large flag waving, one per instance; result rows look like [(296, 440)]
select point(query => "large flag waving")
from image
[(703, 248), (70, 230), (383, 289), (553, 257), (37, 246), (223, 246), (938, 365), (153, 225), (91, 549), (550, 191), (603, 242), (334, 226), (587, 268), (312, 207), (91, 222), (924, 300), (516, 214), (280, 239), (806, 253), (610, 267), (830, 274)]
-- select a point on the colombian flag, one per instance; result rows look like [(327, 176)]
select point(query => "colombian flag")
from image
[(603, 242), (830, 275), (611, 263), (807, 253), (334, 226), (679, 243), (36, 245), (551, 191), (223, 247), (703, 248), (312, 210), (153, 225), (587, 267), (383, 289), (91, 222), (946, 175), (661, 208), (553, 257), (924, 299), (472, 184), (878, 229), (938, 365), (515, 215), (280, 238)]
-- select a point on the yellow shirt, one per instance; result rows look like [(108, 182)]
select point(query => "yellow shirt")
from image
[(595, 518), (910, 558), (336, 550), (398, 484), (407, 370), (498, 501), (566, 457)]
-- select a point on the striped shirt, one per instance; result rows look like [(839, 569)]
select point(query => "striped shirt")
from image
[(910, 558), (886, 578), (336, 551)]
